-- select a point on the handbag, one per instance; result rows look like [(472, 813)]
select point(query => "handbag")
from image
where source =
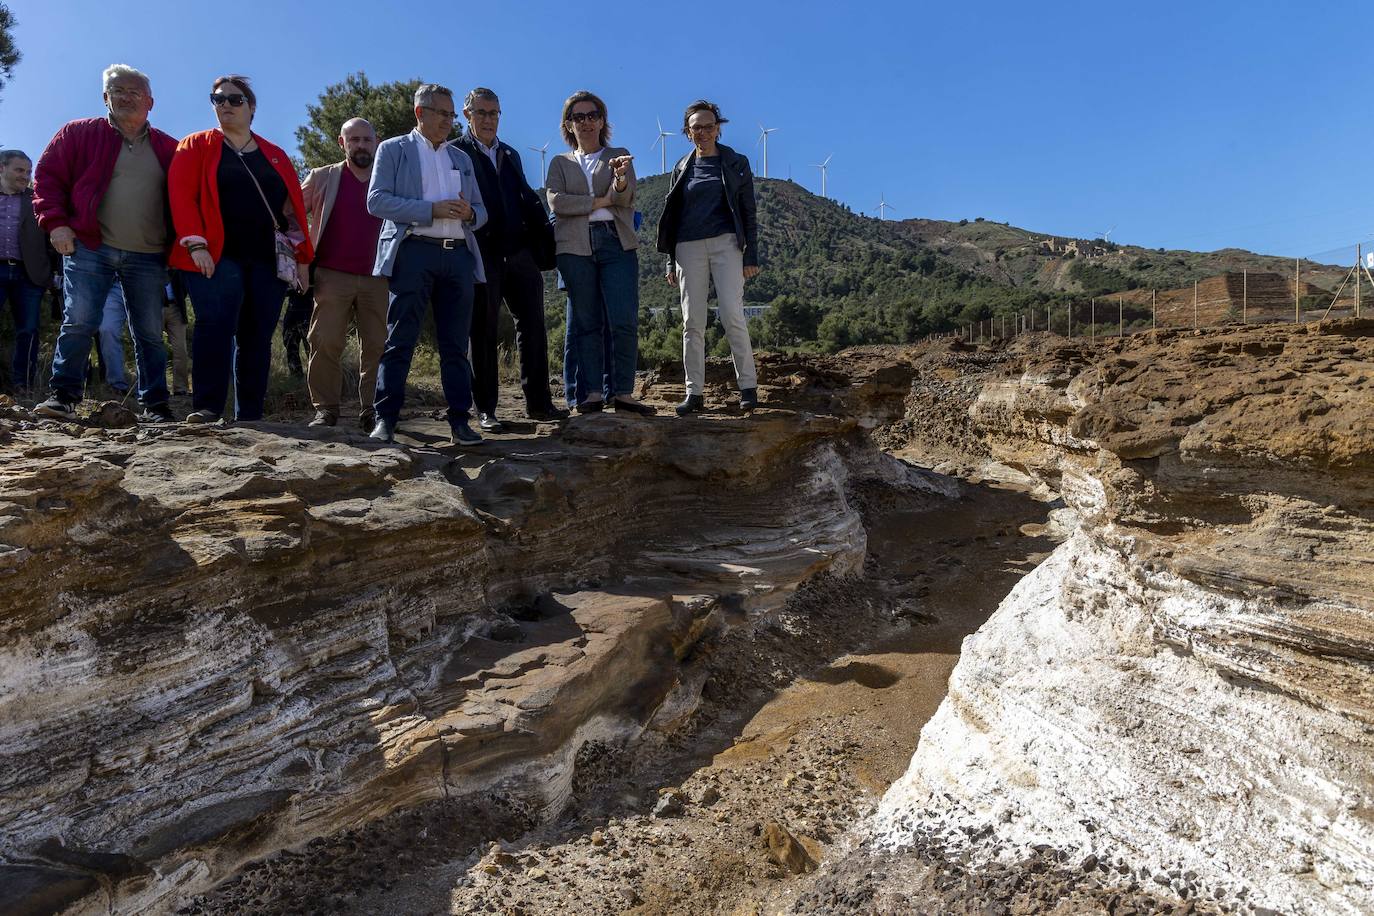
[(286, 252)]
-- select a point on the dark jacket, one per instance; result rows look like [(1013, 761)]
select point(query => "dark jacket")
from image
[(739, 194), (74, 173), (33, 244), (515, 217)]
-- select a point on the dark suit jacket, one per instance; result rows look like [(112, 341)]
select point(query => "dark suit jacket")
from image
[(536, 231), (33, 244)]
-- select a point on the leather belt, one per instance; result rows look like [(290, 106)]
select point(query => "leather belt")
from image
[(446, 244)]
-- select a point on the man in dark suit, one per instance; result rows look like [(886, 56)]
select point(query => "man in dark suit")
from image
[(25, 269), (516, 245)]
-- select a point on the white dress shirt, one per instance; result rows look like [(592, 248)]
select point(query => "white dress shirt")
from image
[(588, 163), (439, 180)]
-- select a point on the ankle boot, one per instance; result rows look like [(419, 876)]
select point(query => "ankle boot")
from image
[(694, 403)]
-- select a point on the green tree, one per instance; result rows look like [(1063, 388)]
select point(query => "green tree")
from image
[(9, 51), (390, 107)]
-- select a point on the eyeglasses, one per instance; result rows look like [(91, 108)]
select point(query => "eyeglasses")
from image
[(484, 113), (118, 93), (702, 128), (446, 115), (580, 117), (235, 100)]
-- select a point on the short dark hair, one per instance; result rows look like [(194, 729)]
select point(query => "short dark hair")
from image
[(241, 83), (583, 95), (8, 155), (701, 105)]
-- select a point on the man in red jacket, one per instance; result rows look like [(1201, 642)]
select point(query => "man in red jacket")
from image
[(100, 192)]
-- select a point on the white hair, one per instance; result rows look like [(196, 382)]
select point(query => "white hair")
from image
[(115, 71), (424, 95)]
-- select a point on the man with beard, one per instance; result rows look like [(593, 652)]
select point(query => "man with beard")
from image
[(345, 239)]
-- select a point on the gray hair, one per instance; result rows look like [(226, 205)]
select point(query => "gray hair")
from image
[(424, 95), (115, 71), (481, 92), (9, 155)]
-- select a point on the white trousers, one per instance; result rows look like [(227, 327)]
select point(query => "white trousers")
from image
[(721, 260)]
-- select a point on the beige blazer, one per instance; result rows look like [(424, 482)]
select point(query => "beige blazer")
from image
[(321, 189), (571, 204)]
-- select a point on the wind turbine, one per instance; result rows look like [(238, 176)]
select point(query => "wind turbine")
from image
[(1104, 236), (883, 206), (822, 166), (662, 135), (543, 152), (763, 138)]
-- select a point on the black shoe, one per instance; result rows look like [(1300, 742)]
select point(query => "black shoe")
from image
[(748, 398), (384, 431), (202, 416), (367, 419), (694, 403), (156, 413), (58, 407), (547, 414), (644, 410), (591, 407), (489, 423), (463, 434), (325, 418)]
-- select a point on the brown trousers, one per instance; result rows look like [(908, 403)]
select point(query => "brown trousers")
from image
[(339, 298)]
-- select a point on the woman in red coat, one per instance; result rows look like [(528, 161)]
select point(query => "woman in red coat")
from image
[(230, 192)]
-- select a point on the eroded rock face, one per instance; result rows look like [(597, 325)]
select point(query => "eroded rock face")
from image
[(217, 642), (1186, 683)]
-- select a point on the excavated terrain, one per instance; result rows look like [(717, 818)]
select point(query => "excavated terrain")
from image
[(668, 666)]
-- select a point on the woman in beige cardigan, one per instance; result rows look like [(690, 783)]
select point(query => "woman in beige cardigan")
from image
[(591, 192)]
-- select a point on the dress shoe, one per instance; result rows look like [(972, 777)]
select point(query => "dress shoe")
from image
[(748, 398), (631, 406), (591, 407), (547, 414), (463, 434), (693, 404), (384, 431), (489, 423), (325, 418)]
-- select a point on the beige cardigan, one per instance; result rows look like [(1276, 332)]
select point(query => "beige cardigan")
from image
[(570, 202)]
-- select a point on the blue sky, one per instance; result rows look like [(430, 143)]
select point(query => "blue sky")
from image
[(1192, 125)]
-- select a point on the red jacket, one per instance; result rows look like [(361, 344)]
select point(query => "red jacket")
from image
[(193, 187), (74, 173)]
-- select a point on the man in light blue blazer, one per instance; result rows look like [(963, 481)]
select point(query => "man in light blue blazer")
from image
[(426, 193)]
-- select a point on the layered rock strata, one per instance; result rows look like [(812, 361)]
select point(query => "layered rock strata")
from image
[(216, 643), (1186, 687)]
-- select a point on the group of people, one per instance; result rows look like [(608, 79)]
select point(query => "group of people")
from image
[(396, 228)]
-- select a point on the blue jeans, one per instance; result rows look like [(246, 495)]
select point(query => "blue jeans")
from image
[(87, 277), (236, 314), (604, 291), (113, 318), (570, 391), (425, 274), (25, 299)]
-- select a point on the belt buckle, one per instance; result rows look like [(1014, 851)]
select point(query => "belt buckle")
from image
[(449, 244)]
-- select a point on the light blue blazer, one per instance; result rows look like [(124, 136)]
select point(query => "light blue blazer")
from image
[(396, 195)]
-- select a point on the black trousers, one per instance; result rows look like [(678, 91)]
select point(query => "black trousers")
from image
[(517, 281)]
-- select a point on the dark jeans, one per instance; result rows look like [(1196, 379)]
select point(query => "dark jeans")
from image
[(604, 291), (87, 277), (571, 393), (517, 280), (25, 298), (236, 314), (425, 274)]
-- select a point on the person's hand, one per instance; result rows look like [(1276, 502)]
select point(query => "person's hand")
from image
[(671, 277), (620, 164), (751, 271), (64, 240), (465, 211), (302, 276), (599, 202), (204, 263), (450, 209)]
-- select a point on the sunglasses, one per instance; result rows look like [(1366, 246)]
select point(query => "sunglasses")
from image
[(580, 117), (235, 100)]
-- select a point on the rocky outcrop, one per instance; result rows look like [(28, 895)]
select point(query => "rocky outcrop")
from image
[(219, 642), (1186, 687)]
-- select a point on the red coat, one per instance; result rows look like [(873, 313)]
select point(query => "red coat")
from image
[(74, 173), (193, 189)]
